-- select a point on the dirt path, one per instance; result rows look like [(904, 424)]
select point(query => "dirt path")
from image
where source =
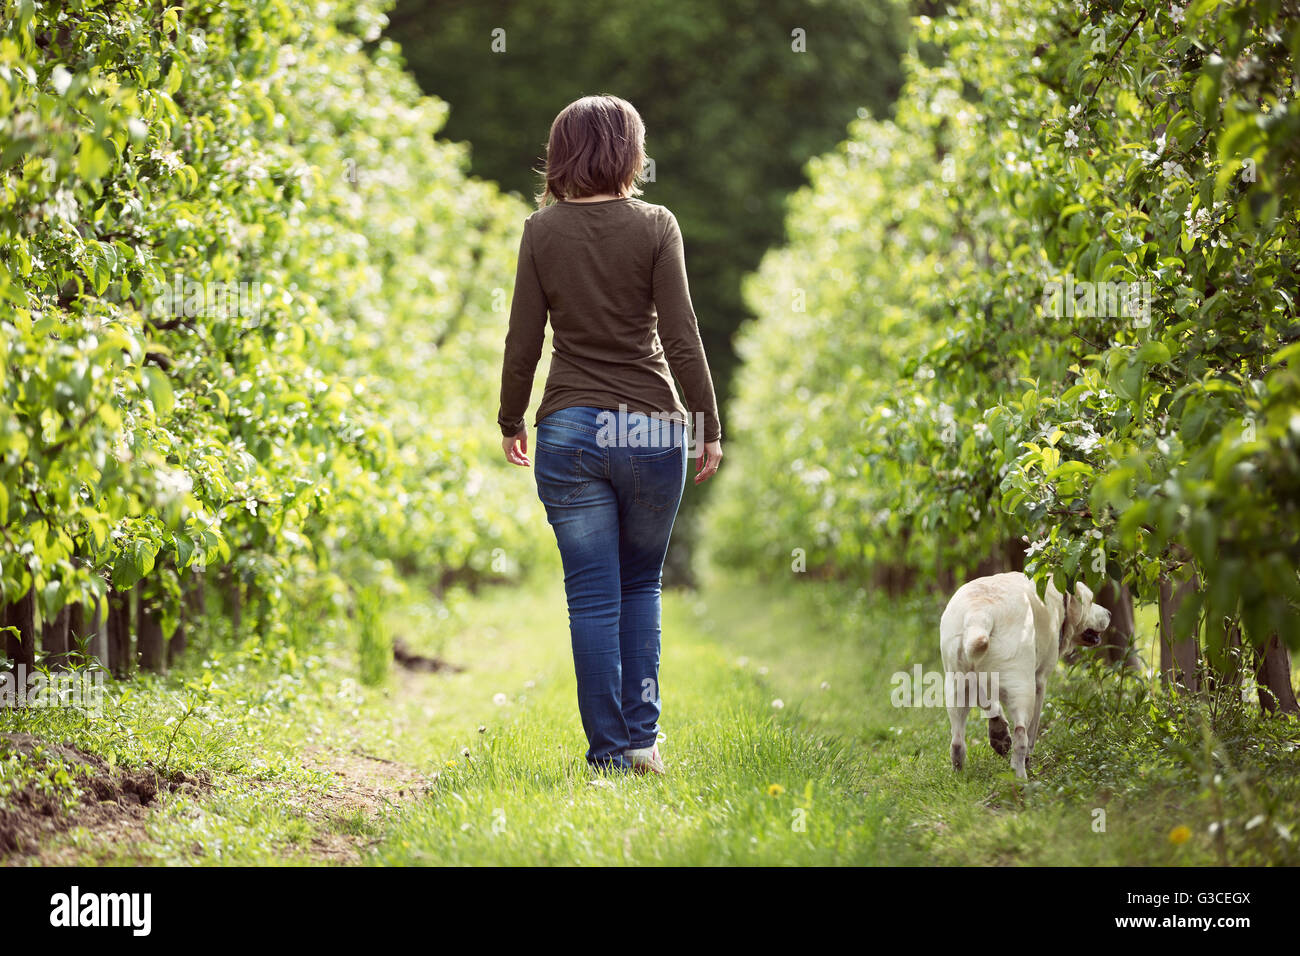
[(367, 789)]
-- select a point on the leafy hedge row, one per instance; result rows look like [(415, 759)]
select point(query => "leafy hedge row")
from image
[(252, 308), (1056, 297)]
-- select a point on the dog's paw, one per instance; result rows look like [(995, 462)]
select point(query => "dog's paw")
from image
[(1000, 735), (958, 756)]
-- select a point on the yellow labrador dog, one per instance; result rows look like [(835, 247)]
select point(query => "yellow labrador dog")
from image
[(995, 629)]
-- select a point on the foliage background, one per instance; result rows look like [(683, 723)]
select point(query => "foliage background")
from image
[(938, 406), (343, 426)]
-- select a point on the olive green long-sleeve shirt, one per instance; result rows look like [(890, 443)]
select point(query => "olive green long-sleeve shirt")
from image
[(612, 277)]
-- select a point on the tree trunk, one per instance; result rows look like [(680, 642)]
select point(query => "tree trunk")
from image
[(76, 629), (894, 578), (945, 581), (54, 639), (1006, 555), (119, 634), (21, 649), (1117, 642), (97, 633), (193, 609), (150, 645), (1178, 655), (1273, 672), (176, 644), (235, 603), (1014, 549)]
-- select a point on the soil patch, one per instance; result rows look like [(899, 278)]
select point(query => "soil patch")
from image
[(403, 655), (106, 797)]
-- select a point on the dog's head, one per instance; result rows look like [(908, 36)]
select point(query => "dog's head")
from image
[(1085, 621)]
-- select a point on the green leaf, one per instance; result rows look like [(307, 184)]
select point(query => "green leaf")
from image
[(1068, 468), (174, 78), (93, 161), (1153, 352), (159, 389)]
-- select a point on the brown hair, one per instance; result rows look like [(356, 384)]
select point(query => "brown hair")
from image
[(597, 145)]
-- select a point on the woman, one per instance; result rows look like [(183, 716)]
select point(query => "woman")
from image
[(611, 431)]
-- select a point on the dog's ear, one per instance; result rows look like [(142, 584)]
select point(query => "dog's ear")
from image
[(1073, 619), (1076, 610)]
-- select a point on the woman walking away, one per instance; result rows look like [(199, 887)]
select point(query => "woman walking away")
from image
[(611, 431)]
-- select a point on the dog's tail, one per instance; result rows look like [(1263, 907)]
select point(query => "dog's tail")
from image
[(975, 636)]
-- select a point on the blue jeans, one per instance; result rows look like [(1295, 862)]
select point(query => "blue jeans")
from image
[(611, 498)]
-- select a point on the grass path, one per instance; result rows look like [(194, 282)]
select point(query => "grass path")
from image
[(747, 784), (834, 774), (783, 745)]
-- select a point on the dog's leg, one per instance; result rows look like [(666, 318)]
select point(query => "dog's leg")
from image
[(999, 732), (1020, 751), (957, 717), (1018, 712), (1040, 689)]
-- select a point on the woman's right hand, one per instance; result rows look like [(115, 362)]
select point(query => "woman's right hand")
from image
[(709, 461)]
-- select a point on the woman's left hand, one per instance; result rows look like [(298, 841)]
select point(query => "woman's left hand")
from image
[(516, 448)]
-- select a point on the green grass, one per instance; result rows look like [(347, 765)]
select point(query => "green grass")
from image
[(833, 775), (838, 775), (748, 783)]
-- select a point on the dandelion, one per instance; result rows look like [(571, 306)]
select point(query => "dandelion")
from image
[(499, 699), (1180, 835), (775, 790), (778, 704)]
